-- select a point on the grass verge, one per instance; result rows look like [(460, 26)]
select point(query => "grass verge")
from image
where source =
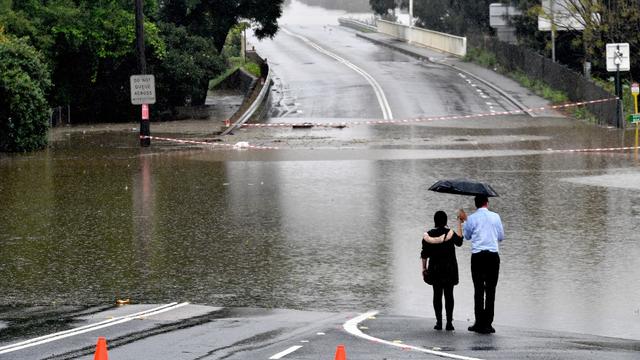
[(234, 64)]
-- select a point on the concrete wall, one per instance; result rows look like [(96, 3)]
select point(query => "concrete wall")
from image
[(452, 44), (240, 80), (357, 25)]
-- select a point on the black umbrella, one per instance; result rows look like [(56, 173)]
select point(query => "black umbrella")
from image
[(463, 187)]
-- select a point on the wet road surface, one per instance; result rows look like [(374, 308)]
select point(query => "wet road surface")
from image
[(310, 84)]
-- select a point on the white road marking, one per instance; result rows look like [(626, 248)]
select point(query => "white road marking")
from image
[(382, 99), (282, 354), (87, 328), (351, 327)]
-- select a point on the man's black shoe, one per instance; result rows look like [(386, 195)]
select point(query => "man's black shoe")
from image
[(474, 328), (479, 329)]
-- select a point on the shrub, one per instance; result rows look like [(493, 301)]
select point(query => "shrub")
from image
[(253, 69), (190, 62), (481, 56), (24, 112)]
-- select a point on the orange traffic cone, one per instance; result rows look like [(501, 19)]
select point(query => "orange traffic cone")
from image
[(341, 354), (101, 349)]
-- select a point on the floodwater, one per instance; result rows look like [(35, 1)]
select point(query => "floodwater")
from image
[(95, 218), (331, 221)]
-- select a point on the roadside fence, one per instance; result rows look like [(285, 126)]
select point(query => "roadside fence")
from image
[(558, 76), (60, 115)]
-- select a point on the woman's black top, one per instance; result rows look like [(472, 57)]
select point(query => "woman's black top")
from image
[(442, 258)]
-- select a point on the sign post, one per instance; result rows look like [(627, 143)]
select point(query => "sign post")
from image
[(143, 92), (618, 60), (635, 90), (142, 68)]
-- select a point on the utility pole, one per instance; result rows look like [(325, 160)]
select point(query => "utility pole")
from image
[(145, 131), (410, 20), (553, 31)]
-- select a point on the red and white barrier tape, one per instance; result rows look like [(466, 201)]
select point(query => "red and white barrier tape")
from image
[(436, 118), (237, 146), (245, 145)]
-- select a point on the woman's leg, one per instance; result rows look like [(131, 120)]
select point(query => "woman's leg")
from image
[(449, 303), (437, 305)]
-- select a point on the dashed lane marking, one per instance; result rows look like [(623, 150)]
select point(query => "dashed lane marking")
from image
[(282, 354)]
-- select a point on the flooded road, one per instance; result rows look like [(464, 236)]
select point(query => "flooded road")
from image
[(96, 218), (332, 221)]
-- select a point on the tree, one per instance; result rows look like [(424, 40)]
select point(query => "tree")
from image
[(214, 18), (24, 112), (184, 73), (382, 7), (584, 13), (460, 17), (604, 21), (90, 48)]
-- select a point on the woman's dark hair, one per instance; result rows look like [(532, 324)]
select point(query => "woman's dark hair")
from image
[(440, 219)]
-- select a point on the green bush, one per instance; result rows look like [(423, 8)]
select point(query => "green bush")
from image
[(24, 112), (480, 56), (252, 68), (190, 62)]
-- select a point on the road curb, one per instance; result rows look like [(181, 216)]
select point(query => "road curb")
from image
[(494, 87)]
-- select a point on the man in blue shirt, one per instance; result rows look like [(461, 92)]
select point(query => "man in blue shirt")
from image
[(484, 229)]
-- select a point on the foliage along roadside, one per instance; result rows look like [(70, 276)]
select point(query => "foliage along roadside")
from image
[(24, 80), (89, 49), (610, 21)]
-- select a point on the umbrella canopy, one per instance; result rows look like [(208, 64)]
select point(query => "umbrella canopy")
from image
[(463, 187)]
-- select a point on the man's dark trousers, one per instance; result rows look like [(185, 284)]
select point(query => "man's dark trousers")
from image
[(485, 267)]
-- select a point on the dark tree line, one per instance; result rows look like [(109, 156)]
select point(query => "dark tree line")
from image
[(88, 50)]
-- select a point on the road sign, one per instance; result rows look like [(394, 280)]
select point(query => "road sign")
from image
[(634, 118), (635, 89), (618, 58), (143, 89)]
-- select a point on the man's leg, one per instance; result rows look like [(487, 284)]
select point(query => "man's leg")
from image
[(477, 275), (493, 270)]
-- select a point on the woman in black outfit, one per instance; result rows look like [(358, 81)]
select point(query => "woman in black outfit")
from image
[(439, 259)]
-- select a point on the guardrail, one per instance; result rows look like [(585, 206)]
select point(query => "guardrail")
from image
[(452, 44), (254, 106)]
